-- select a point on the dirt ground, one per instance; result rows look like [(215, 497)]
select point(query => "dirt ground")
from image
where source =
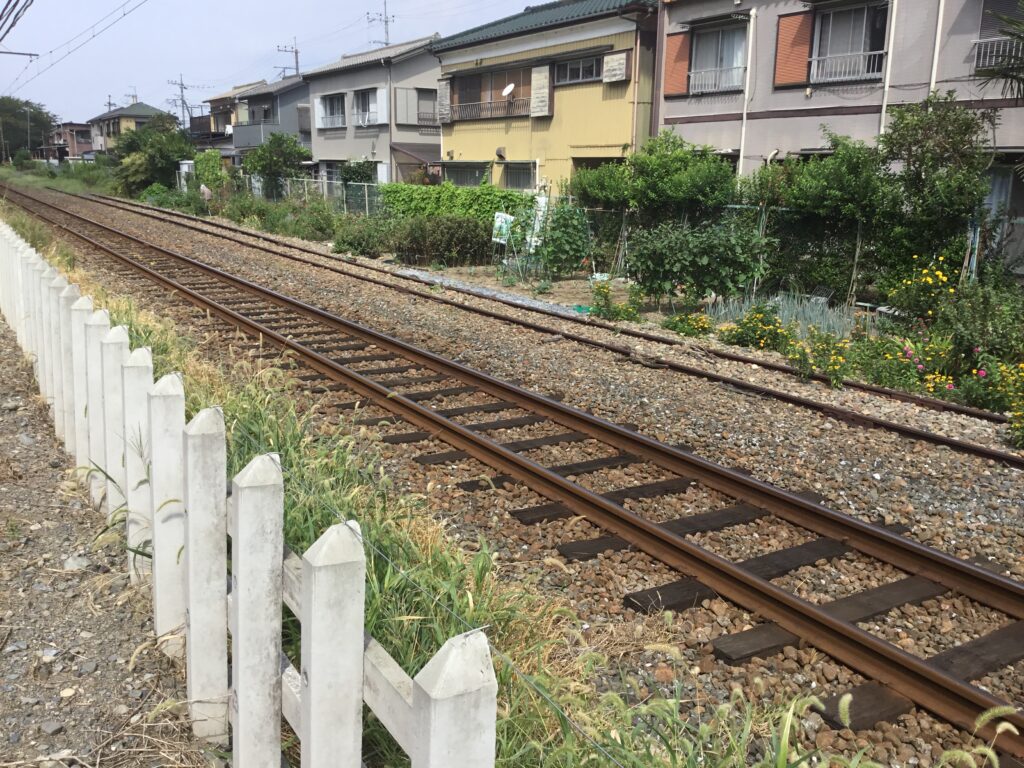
[(81, 683)]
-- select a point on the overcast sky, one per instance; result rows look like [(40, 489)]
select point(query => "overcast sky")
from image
[(213, 45)]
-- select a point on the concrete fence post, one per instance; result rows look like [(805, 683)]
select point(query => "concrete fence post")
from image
[(68, 297), (114, 350), (45, 333), (137, 382), (96, 327), (257, 543), (25, 288), (206, 575), (167, 424), (333, 589), (81, 311), (35, 289), (455, 695), (56, 351)]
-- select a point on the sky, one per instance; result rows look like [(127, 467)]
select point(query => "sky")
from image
[(211, 45)]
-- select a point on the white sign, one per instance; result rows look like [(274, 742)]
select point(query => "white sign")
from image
[(616, 67)]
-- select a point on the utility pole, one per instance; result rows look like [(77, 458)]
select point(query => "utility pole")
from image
[(386, 20), (293, 48), (182, 87), (28, 128), (110, 104)]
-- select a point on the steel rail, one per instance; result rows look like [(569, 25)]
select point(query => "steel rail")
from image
[(840, 413), (932, 403), (952, 699)]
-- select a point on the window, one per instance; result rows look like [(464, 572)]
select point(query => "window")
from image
[(993, 46), (364, 107), (578, 71), (332, 111), (426, 106), (849, 44), (465, 174), (483, 96), (719, 60), (519, 176)]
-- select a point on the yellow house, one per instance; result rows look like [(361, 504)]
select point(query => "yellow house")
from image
[(108, 127), (528, 98)]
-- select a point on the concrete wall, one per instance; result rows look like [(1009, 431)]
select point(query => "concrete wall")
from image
[(588, 120), (373, 142), (791, 119)]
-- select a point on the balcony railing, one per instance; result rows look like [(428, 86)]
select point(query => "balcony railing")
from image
[(331, 121), (262, 121), (480, 110), (716, 80), (847, 66), (426, 118), (995, 51), (364, 119)]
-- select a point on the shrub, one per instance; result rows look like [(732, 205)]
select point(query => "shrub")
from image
[(761, 328), (481, 202), (692, 324), (311, 220), (279, 157), (602, 306), (247, 208), (984, 316), (369, 236), (450, 240), (159, 195), (566, 244), (606, 186), (23, 160), (918, 296)]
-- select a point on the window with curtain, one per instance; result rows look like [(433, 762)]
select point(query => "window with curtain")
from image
[(849, 43), (719, 59), (364, 107), (332, 111)]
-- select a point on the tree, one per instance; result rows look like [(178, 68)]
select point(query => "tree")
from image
[(1010, 67), (279, 157), (210, 170), (151, 154), (15, 125)]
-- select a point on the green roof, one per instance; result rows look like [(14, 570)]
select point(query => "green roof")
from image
[(537, 17), (138, 109)]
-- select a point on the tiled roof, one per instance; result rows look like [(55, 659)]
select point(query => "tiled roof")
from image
[(377, 55), (138, 109), (236, 91), (538, 17), (274, 88)]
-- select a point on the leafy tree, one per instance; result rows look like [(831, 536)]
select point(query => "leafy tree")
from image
[(1010, 67), (279, 157), (606, 186), (210, 170), (937, 154), (361, 172), (14, 123), (151, 154)]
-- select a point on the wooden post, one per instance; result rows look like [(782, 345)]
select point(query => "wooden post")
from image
[(81, 311), (456, 697), (333, 588), (257, 543), (54, 289), (137, 383), (68, 297), (96, 327), (206, 575), (113, 355), (167, 424)]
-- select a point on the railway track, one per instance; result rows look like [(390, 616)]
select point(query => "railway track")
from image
[(845, 415), (416, 387), (197, 223)]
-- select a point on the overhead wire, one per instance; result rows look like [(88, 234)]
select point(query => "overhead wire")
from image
[(11, 15)]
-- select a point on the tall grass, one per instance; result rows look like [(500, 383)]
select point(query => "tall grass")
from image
[(796, 309), (79, 178)]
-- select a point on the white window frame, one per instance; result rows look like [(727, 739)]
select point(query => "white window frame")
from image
[(331, 118), (564, 70), (714, 79), (839, 67)]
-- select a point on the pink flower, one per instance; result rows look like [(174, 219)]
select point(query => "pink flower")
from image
[(982, 373), (949, 386), (977, 350), (920, 367)]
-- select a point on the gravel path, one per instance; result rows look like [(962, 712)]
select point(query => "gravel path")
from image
[(962, 504), (79, 677)]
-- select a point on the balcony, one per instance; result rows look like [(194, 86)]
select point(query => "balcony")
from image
[(331, 121), (991, 53), (252, 133), (716, 80), (847, 67), (364, 119), (481, 110), (426, 118)]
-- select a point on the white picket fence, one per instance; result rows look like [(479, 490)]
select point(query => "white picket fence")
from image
[(165, 480)]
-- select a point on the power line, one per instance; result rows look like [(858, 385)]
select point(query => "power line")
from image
[(11, 15), (95, 33), (293, 48), (372, 18)]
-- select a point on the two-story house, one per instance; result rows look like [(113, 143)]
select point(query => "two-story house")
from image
[(378, 106), (66, 141), (106, 128), (758, 80), (229, 108), (527, 98), (278, 107)]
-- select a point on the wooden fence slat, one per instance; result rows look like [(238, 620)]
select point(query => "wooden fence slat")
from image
[(205, 568), (167, 424), (257, 541)]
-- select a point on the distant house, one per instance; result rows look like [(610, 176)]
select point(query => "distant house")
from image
[(278, 107), (106, 128), (228, 109), (526, 99), (378, 106), (66, 141)]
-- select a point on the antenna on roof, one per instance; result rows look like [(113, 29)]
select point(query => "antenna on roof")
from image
[(134, 95), (386, 20)]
